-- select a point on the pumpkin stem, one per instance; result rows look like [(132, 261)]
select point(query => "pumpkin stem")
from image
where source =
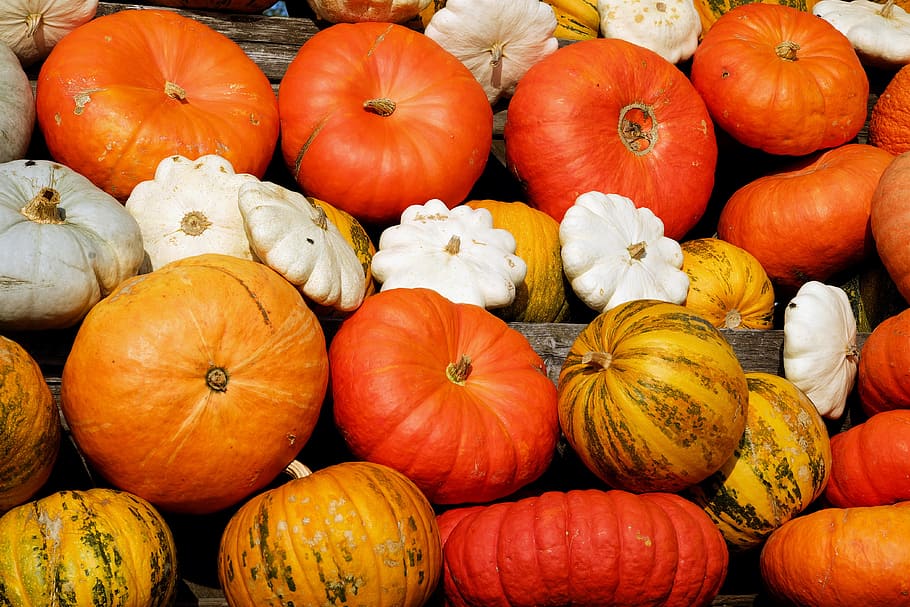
[(319, 217), (194, 223), (32, 22), (887, 9), (638, 250), (174, 91), (454, 245), (496, 63), (43, 208), (597, 359), (297, 469), (733, 319), (382, 106), (458, 371), (786, 50), (217, 379), (638, 128)]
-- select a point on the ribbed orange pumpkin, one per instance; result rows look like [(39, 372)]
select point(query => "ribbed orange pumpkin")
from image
[(354, 533), (652, 397), (29, 426), (890, 218), (213, 372), (883, 375)]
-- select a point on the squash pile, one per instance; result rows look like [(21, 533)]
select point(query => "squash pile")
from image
[(314, 308)]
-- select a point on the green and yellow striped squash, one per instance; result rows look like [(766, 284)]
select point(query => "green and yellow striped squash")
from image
[(29, 426), (652, 397), (353, 533), (711, 10), (85, 548), (576, 19), (780, 467)]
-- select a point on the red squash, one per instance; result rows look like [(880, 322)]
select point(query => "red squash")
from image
[(376, 117), (125, 90), (883, 375), (611, 116), (446, 393)]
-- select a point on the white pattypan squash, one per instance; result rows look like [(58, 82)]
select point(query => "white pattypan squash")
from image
[(190, 208), (498, 41), (880, 33), (457, 253), (670, 28), (17, 107), (613, 252), (820, 354), (355, 11), (31, 28), (64, 245), (294, 237)]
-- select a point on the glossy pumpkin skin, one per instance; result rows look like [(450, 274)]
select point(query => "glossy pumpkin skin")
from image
[(610, 116), (890, 221), (870, 462), (809, 221), (710, 11), (652, 397), (376, 117), (210, 402), (779, 468), (352, 533), (601, 547), (840, 556), (30, 426), (883, 374), (727, 285), (127, 89), (781, 80), (412, 370), (541, 297), (92, 547)]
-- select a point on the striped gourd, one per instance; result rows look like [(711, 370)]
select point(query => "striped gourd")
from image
[(91, 547), (354, 533), (781, 465), (576, 19), (711, 10), (652, 397)]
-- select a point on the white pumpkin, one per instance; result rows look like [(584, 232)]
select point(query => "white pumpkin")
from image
[(31, 28), (17, 107), (190, 208), (498, 41), (294, 237), (613, 252), (670, 28), (455, 252), (64, 245), (820, 354), (354, 11), (880, 33)]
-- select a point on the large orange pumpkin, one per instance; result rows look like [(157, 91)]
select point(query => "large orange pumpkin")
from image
[(195, 385), (883, 374), (890, 221), (611, 116), (125, 90), (376, 117)]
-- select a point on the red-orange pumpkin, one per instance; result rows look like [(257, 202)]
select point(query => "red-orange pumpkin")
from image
[(586, 548), (810, 220), (890, 221), (611, 116), (446, 393), (125, 90), (883, 375), (376, 117), (781, 80), (195, 385)]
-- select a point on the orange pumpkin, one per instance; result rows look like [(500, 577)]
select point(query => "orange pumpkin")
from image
[(212, 371), (710, 11), (127, 89), (890, 221), (883, 374)]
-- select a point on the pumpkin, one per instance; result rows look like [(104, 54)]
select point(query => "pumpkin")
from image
[(810, 219), (64, 245), (781, 80), (888, 219), (671, 28), (541, 296), (576, 19), (779, 468), (497, 41), (727, 285), (414, 370), (30, 426), (189, 208), (652, 397), (17, 108), (711, 10), (354, 532), (377, 117), (96, 546), (31, 29), (870, 466), (610, 116), (883, 374), (234, 6), (840, 556), (130, 88), (600, 547), (210, 401), (879, 31), (357, 11), (888, 124)]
